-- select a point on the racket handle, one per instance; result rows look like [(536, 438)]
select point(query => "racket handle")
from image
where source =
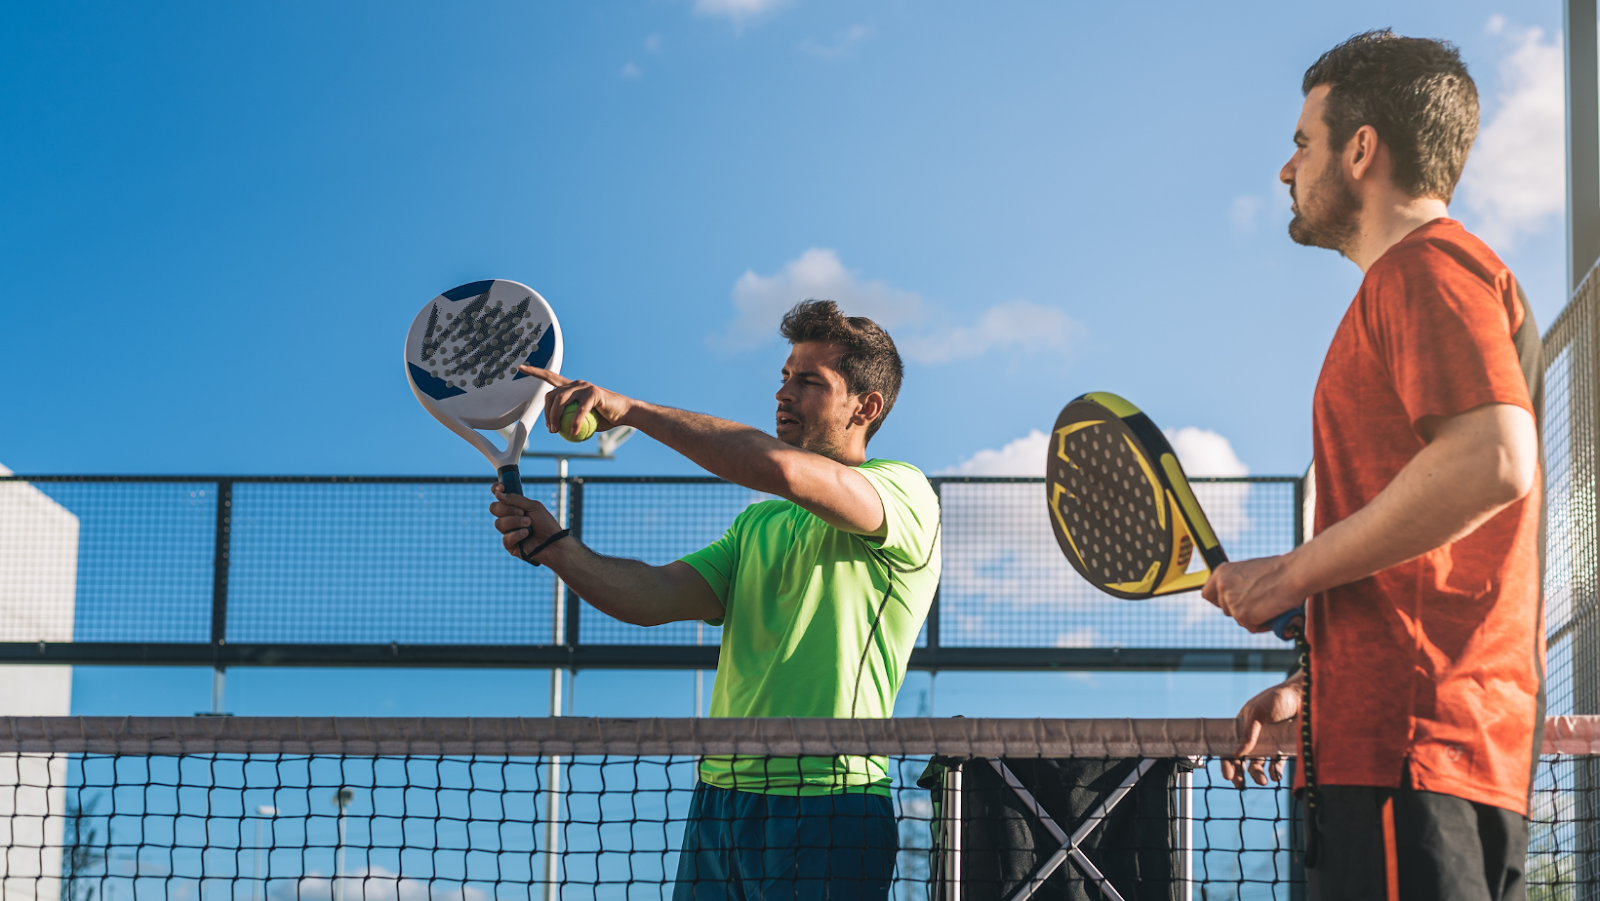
[(511, 479), (1281, 621)]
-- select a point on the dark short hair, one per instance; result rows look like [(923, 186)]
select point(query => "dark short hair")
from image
[(870, 361), (1415, 93)]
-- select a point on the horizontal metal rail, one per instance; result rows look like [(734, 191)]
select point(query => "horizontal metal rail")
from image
[(618, 656)]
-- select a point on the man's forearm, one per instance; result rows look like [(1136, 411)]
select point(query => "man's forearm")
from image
[(1449, 488), (630, 590), (731, 450)]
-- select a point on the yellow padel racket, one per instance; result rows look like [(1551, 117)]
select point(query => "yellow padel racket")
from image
[(1121, 506)]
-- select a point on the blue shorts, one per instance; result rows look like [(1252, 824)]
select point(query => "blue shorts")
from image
[(744, 846)]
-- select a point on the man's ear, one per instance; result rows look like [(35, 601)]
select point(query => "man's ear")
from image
[(869, 407), (1361, 152)]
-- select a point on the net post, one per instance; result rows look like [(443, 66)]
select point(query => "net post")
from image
[(1296, 830), (1185, 826), (951, 814)]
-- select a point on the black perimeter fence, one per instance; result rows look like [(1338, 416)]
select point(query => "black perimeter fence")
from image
[(408, 571)]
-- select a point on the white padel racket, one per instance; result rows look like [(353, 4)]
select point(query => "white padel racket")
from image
[(461, 358)]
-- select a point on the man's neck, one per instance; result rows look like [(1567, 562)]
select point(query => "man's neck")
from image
[(1386, 219), (851, 456)]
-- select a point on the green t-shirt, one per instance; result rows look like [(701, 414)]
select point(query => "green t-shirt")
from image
[(798, 636)]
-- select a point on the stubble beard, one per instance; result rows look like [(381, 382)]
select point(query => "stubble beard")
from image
[(1328, 214), (819, 439)]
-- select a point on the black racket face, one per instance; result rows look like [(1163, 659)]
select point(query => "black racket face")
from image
[(1107, 507)]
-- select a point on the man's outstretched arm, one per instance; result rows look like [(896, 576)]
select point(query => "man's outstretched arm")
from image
[(628, 590), (836, 493)]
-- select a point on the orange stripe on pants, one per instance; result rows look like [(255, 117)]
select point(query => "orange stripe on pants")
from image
[(1391, 861)]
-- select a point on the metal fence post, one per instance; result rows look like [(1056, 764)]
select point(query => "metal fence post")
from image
[(221, 553), (1583, 139), (574, 603), (933, 609), (558, 637)]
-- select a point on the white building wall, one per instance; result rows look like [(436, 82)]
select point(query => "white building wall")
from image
[(38, 589)]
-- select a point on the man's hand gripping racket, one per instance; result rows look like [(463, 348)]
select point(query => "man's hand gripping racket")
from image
[(462, 358)]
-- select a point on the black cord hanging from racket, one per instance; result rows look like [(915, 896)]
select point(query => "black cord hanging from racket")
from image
[(1297, 631)]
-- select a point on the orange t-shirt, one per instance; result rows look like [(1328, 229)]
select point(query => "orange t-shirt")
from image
[(1434, 666)]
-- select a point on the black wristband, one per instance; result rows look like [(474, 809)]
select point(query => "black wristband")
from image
[(546, 543)]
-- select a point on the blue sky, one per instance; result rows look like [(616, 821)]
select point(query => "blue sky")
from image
[(220, 219), (234, 211)]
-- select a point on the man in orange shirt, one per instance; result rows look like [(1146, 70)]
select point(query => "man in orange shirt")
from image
[(1424, 619)]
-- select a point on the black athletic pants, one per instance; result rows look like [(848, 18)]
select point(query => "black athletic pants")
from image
[(1400, 843)]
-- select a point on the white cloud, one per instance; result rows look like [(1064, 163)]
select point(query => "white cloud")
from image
[(760, 301), (1515, 180), (1022, 457), (630, 71), (1201, 451), (1015, 325), (929, 334), (653, 43), (738, 11), (839, 46), (1205, 453)]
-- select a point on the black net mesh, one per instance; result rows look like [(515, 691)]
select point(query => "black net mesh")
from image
[(309, 809)]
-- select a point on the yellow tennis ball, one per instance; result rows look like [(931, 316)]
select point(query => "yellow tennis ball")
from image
[(584, 430)]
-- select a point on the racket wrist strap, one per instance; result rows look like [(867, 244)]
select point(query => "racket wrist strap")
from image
[(544, 544)]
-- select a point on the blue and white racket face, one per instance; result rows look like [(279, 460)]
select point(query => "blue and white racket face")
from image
[(465, 345)]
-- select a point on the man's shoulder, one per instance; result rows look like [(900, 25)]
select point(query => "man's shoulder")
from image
[(1442, 250), (905, 477), (895, 469)]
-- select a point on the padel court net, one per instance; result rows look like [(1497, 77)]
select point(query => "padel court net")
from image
[(115, 809)]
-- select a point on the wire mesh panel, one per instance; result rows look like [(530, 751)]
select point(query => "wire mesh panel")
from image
[(1006, 583), (140, 556), (403, 809), (1572, 542), (1572, 545), (379, 561), (656, 521), (406, 562)]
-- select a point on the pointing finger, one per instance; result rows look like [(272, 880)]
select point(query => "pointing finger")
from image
[(551, 378)]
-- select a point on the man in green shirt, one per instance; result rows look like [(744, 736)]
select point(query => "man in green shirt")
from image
[(820, 596)]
